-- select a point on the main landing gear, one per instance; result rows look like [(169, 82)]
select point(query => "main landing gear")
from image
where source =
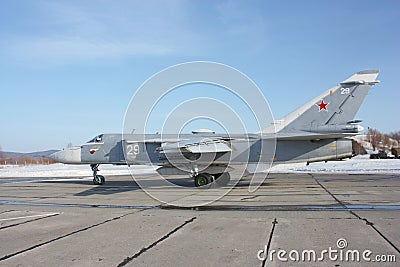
[(204, 179), (97, 179)]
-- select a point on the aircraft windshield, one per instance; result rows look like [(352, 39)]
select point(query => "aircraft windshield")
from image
[(97, 139)]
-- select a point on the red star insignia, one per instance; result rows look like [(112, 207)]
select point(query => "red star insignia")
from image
[(322, 105)]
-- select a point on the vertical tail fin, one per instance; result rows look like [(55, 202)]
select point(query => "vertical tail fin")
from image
[(335, 106)]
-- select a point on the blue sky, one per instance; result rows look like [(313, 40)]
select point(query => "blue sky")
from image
[(69, 68)]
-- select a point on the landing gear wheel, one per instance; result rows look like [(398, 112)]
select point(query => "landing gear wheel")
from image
[(99, 180), (203, 179), (222, 179)]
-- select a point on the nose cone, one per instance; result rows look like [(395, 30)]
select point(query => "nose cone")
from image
[(68, 156)]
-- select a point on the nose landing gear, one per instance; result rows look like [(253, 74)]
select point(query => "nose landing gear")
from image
[(97, 179)]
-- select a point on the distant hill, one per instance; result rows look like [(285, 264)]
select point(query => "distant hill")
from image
[(41, 153), (40, 157), (30, 154)]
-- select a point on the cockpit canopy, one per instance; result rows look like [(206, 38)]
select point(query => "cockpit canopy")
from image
[(97, 139)]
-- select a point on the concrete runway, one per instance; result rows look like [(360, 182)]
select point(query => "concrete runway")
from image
[(70, 222)]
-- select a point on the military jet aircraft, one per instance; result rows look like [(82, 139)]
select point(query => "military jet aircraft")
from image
[(317, 131)]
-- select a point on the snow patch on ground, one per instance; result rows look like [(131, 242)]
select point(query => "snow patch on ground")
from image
[(61, 170), (356, 165)]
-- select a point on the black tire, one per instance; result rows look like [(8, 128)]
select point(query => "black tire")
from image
[(203, 180), (223, 179), (99, 180)]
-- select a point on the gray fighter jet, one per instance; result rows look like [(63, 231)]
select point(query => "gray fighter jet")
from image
[(317, 131)]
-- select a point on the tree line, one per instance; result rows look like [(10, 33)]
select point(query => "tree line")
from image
[(23, 159), (383, 141)]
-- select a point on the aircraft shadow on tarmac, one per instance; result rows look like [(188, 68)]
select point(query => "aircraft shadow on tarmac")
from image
[(113, 185)]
